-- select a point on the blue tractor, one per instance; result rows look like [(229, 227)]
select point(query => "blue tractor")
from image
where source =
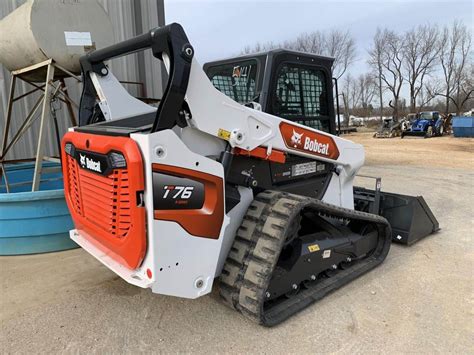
[(427, 124)]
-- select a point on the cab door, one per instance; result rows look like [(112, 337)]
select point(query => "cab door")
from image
[(302, 93)]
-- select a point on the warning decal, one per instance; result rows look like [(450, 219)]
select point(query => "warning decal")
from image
[(222, 133)]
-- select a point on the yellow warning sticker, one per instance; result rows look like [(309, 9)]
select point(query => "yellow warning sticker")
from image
[(313, 248), (222, 133)]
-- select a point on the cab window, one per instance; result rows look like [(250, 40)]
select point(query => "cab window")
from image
[(236, 80), (300, 95)]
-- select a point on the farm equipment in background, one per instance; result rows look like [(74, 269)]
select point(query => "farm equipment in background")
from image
[(408, 121), (448, 123), (247, 183), (428, 124), (389, 129)]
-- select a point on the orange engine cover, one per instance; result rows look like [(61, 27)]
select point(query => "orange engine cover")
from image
[(103, 184)]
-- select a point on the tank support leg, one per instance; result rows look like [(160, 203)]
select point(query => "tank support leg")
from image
[(43, 125), (8, 116)]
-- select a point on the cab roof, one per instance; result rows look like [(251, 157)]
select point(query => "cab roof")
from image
[(273, 52)]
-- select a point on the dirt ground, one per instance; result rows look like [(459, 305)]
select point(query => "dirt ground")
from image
[(420, 300), (441, 152)]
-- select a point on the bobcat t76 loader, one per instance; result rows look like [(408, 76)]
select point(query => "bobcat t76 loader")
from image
[(203, 187)]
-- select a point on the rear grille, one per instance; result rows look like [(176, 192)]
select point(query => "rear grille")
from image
[(101, 200), (73, 182), (104, 205)]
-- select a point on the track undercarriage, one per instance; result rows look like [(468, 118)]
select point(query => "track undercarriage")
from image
[(292, 250)]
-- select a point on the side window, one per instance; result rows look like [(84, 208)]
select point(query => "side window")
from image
[(300, 95), (236, 80)]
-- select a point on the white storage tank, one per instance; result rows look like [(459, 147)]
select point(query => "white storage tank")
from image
[(63, 30)]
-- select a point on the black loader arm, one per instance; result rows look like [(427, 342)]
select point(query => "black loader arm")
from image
[(171, 40)]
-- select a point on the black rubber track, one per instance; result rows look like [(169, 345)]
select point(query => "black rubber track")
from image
[(249, 266)]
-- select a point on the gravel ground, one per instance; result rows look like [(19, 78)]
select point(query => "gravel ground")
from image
[(419, 301)]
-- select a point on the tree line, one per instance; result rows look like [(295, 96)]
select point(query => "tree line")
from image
[(433, 64)]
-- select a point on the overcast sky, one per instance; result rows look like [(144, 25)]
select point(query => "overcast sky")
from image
[(221, 28)]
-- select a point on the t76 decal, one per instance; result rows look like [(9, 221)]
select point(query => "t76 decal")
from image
[(172, 192), (307, 141), (191, 198)]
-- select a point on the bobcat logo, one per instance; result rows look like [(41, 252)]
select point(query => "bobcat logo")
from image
[(89, 164), (296, 138), (83, 160)]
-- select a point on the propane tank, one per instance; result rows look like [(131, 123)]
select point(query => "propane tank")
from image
[(62, 30)]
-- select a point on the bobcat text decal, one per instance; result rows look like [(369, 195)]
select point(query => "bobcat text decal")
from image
[(305, 140), (89, 163)]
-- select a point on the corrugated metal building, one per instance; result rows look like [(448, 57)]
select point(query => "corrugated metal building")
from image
[(128, 18)]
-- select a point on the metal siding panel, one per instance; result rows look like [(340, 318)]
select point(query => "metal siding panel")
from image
[(125, 68), (153, 66)]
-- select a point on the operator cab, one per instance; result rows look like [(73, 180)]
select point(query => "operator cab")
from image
[(387, 122), (293, 85)]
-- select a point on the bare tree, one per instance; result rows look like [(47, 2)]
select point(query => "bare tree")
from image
[(463, 92), (367, 89), (258, 47), (376, 55), (456, 65), (337, 44), (419, 52), (427, 93), (347, 86), (313, 42), (341, 46), (352, 94), (355, 92), (391, 73)]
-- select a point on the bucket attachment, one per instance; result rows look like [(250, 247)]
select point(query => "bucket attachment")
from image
[(410, 217)]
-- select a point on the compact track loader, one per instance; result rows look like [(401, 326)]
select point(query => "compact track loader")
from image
[(204, 187), (389, 129)]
